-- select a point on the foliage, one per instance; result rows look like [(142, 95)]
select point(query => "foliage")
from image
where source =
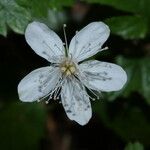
[(126, 120), (16, 133), (134, 6), (13, 15), (134, 146), (138, 77), (16, 14), (129, 27), (19, 12)]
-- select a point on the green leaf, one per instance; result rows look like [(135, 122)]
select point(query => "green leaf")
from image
[(134, 146), (3, 28), (128, 122), (129, 27), (39, 9), (136, 6), (59, 3), (22, 126), (14, 16), (55, 19), (138, 72)]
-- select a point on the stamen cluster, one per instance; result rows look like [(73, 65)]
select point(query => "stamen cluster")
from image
[(68, 67)]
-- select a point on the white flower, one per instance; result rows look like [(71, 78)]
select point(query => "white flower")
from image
[(67, 76)]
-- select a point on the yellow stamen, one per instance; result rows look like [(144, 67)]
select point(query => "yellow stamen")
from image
[(63, 69), (72, 69), (67, 67)]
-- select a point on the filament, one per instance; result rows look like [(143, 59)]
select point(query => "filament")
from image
[(67, 48)]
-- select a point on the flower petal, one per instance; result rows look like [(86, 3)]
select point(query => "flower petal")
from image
[(102, 76), (76, 102), (89, 40), (38, 84), (44, 41)]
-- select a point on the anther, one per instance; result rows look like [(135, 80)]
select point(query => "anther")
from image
[(93, 99), (46, 102), (76, 32), (38, 100), (105, 48), (55, 98)]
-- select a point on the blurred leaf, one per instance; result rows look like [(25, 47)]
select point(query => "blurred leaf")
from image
[(39, 9), (129, 27), (129, 122), (134, 146), (59, 3), (14, 16), (21, 126), (3, 28), (136, 6), (17, 13), (55, 19), (49, 12), (138, 72)]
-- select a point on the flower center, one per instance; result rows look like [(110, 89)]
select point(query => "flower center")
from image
[(68, 67)]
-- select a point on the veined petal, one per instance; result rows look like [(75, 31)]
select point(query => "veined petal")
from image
[(44, 41), (102, 76), (89, 40), (38, 84), (76, 102)]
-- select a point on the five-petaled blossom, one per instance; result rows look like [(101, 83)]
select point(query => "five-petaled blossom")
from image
[(68, 76)]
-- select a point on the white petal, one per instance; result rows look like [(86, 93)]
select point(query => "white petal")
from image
[(76, 102), (89, 40), (38, 83), (102, 76), (44, 41)]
